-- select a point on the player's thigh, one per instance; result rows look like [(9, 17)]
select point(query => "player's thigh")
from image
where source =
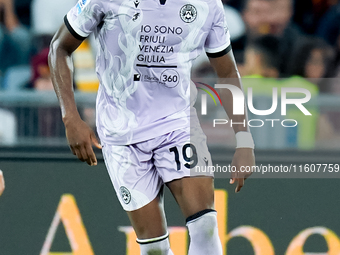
[(193, 194), (178, 162), (138, 187), (149, 221)]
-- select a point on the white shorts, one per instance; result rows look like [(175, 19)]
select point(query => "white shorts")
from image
[(139, 171)]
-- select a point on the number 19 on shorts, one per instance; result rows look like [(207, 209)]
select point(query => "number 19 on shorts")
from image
[(189, 155)]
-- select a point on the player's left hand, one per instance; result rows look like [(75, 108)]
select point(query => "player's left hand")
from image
[(2, 183), (243, 160)]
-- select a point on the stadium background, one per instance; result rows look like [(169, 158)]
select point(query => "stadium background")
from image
[(270, 215)]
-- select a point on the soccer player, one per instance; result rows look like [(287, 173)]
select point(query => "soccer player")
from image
[(2, 183), (149, 131)]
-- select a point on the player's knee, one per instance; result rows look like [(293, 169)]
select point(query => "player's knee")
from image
[(155, 246), (203, 224)]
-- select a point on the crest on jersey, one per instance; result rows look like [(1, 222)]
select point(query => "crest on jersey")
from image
[(126, 195), (188, 13)]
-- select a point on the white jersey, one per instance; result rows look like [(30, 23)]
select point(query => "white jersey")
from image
[(145, 53)]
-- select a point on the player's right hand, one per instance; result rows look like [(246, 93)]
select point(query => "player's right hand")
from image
[(2, 183), (243, 159), (80, 138)]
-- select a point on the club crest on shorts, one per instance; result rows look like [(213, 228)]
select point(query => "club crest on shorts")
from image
[(126, 195), (188, 13)]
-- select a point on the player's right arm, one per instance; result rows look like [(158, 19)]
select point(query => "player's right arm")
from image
[(2, 183), (79, 135), (218, 49)]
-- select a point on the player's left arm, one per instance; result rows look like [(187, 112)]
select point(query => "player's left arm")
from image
[(227, 73)]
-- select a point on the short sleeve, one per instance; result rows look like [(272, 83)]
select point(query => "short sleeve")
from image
[(83, 18), (217, 43)]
